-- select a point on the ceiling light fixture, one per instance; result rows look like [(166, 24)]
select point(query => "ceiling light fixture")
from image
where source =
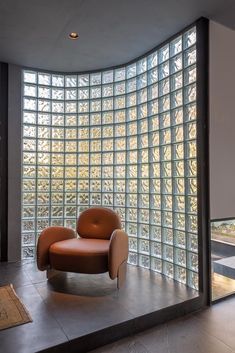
[(73, 35)]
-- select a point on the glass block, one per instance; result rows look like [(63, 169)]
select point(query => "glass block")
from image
[(95, 185), (70, 198), (167, 236), (28, 239), (192, 167), (58, 93), (71, 81), (180, 274), (107, 76), (179, 220), (190, 75), (192, 204), (95, 79), (190, 112), (28, 225), (178, 168), (58, 80), (107, 104), (190, 37), (131, 70), (179, 203), (70, 223), (131, 85), (164, 70), (83, 172), (168, 253), (107, 91), (56, 172), (29, 172), (95, 172), (177, 99), (176, 46), (144, 246), (70, 107), (30, 104), (167, 219), (133, 244), (95, 105), (178, 133), (168, 269), (132, 185), (107, 145), (190, 93), (153, 78), (95, 199), (156, 201), (133, 258), (44, 79), (28, 252), (164, 87), (29, 118), (180, 257), (156, 249), (107, 199), (178, 151), (176, 81), (180, 239), (120, 74), (30, 90), (30, 77), (193, 261), (166, 185), (83, 120), (192, 280), (57, 211), (71, 184), (132, 229), (155, 233), (156, 264), (192, 243), (190, 56), (156, 217), (176, 63), (83, 80), (43, 211), (192, 186), (144, 261), (191, 149), (28, 198), (132, 215), (83, 106)]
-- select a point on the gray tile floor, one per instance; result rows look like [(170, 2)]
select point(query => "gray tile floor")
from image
[(72, 305), (208, 331)]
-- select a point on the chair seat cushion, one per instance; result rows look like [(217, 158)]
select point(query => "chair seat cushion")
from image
[(80, 255)]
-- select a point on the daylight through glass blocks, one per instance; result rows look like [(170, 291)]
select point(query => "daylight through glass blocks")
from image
[(123, 138)]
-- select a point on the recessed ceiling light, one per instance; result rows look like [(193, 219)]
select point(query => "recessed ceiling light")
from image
[(73, 35)]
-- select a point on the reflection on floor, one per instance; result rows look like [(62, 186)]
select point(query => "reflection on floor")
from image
[(74, 310), (209, 331), (222, 286)]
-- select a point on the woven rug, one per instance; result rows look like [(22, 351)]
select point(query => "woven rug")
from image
[(12, 310)]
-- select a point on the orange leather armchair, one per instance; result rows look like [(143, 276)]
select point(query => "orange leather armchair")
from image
[(102, 246)]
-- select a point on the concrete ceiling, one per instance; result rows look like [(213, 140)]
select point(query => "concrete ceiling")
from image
[(34, 33)]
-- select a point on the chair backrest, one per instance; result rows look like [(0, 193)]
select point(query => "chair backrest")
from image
[(98, 223)]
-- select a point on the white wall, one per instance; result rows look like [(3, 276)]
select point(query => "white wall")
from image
[(222, 121)]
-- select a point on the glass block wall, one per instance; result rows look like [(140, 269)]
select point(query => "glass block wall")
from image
[(123, 138)]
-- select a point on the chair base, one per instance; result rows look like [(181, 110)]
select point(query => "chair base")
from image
[(52, 273), (121, 277)]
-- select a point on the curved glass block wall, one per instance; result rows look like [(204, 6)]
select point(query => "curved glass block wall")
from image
[(123, 138)]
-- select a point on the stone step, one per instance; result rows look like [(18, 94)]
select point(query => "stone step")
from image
[(225, 267)]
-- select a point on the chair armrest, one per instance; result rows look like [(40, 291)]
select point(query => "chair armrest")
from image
[(48, 237), (118, 251)]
